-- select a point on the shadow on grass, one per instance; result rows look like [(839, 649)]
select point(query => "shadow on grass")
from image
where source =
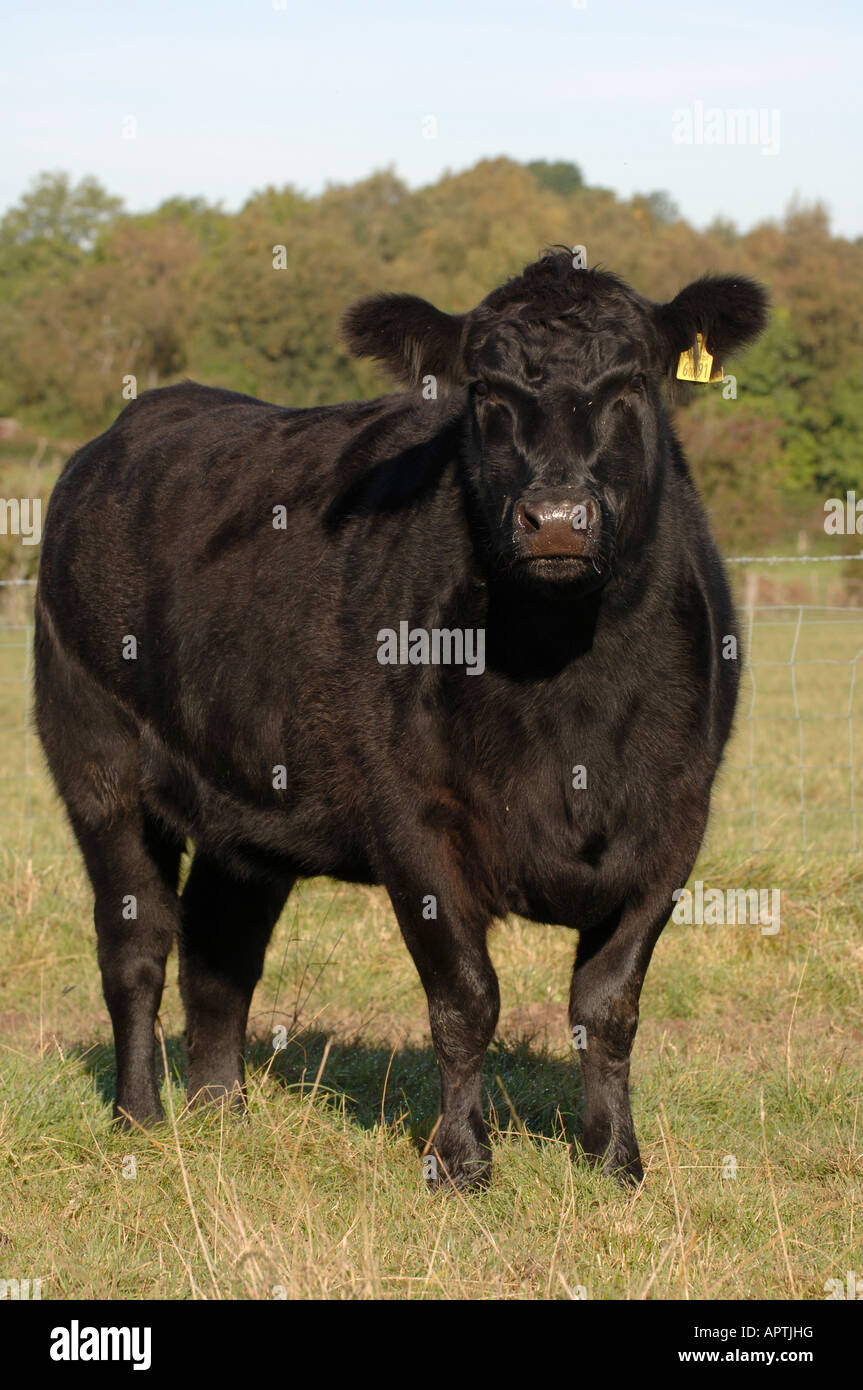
[(525, 1086), (99, 1062)]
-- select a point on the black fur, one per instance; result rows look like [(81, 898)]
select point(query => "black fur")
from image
[(257, 647)]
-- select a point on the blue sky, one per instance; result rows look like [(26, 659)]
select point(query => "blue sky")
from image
[(229, 96)]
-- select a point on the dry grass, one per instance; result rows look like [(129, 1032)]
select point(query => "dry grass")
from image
[(747, 1083)]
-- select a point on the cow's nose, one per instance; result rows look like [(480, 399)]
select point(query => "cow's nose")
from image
[(558, 525)]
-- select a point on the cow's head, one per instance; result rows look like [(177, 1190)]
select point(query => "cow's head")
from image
[(561, 371)]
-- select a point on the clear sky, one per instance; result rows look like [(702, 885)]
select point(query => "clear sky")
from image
[(231, 95)]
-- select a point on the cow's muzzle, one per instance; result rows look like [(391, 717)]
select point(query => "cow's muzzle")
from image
[(558, 526)]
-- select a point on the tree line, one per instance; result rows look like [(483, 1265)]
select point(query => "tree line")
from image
[(92, 295)]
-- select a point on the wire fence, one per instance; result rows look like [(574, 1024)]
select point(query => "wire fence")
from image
[(793, 773), (15, 705)]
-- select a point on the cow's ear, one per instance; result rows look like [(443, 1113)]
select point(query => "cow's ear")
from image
[(729, 311), (408, 335)]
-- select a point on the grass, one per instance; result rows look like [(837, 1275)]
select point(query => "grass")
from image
[(746, 1074)]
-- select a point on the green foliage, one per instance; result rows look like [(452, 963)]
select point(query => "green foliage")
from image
[(252, 300), (55, 210), (50, 233), (561, 177)]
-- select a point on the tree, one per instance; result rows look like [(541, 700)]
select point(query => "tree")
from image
[(57, 211), (53, 230), (662, 206), (559, 177)]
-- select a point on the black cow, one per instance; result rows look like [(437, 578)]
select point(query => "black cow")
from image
[(464, 641)]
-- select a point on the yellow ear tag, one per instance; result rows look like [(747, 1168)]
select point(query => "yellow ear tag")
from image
[(705, 371)]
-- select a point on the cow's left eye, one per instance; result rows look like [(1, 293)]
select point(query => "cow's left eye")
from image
[(634, 387)]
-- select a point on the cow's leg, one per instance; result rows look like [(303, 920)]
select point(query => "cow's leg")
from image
[(225, 927), (93, 749), (610, 965), (449, 951), (133, 865)]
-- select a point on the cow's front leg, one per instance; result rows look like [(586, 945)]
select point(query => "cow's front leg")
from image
[(610, 965), (445, 933)]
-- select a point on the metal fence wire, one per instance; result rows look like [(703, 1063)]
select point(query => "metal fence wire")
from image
[(793, 773), (795, 727), (15, 706)]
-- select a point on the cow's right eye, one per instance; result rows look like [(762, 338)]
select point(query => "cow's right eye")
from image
[(480, 389)]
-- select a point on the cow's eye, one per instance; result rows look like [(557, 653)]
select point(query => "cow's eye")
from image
[(480, 389), (634, 387)]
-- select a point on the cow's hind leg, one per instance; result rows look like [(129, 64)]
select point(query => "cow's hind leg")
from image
[(133, 865), (226, 925), (133, 862)]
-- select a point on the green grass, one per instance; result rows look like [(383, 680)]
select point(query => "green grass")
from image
[(746, 1079)]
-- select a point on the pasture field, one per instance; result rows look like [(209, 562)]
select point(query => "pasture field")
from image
[(747, 1071)]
